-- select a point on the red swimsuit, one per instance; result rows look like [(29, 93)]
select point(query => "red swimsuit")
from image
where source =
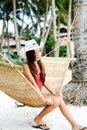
[(39, 81)]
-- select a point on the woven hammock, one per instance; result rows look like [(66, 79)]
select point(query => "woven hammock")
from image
[(15, 84)]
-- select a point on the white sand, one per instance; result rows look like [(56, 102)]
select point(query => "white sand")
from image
[(21, 118)]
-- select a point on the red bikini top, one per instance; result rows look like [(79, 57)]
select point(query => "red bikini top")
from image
[(38, 81)]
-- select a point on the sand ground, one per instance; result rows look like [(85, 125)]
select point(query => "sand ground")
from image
[(21, 118)]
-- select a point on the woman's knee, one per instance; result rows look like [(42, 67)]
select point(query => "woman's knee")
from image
[(54, 100), (61, 95), (58, 99)]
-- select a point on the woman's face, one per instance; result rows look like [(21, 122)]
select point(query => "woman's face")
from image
[(37, 54)]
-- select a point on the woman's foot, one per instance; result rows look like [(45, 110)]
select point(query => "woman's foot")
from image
[(38, 120), (79, 127), (40, 124)]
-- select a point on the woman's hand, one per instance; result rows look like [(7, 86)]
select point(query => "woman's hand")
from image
[(54, 100), (49, 101)]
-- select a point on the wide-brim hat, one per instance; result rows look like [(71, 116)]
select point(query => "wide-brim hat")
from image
[(29, 45)]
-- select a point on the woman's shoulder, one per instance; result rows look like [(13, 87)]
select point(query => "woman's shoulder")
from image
[(42, 62), (43, 65), (25, 66)]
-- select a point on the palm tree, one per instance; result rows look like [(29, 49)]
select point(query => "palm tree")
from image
[(35, 11), (16, 29), (78, 93), (5, 16), (2, 32), (81, 42), (54, 25), (62, 17), (7, 12), (61, 14), (47, 26), (69, 54)]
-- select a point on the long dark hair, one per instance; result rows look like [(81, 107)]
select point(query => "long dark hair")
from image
[(30, 60)]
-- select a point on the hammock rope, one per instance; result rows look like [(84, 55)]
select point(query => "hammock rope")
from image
[(10, 63), (77, 6), (56, 47)]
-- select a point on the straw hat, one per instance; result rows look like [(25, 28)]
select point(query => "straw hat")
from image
[(29, 45)]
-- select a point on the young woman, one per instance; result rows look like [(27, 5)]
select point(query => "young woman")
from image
[(35, 72)]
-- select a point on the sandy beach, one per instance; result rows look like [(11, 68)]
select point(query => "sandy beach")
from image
[(21, 118)]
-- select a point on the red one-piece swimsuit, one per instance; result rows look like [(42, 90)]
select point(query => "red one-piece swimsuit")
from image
[(38, 81)]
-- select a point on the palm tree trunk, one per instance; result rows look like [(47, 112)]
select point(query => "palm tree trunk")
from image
[(81, 43), (76, 91), (2, 32), (15, 29), (8, 42), (42, 43), (54, 27), (45, 32), (69, 30), (58, 37), (45, 20)]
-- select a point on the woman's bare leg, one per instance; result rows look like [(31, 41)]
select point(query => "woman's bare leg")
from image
[(44, 112), (64, 110), (68, 116)]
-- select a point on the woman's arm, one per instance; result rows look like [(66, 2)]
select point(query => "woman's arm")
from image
[(28, 75), (50, 90)]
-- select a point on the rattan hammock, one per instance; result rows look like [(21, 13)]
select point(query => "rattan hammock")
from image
[(14, 83)]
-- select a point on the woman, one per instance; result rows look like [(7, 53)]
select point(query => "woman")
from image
[(35, 72)]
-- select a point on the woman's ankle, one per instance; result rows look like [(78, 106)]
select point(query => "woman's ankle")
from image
[(38, 120), (77, 127)]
